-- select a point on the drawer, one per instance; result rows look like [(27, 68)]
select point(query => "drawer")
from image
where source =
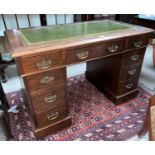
[(45, 80), (127, 86), (41, 62), (90, 52), (137, 41), (47, 99), (133, 57), (130, 72), (52, 115)]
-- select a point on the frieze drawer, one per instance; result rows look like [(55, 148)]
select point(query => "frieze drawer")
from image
[(90, 52), (137, 41), (41, 62)]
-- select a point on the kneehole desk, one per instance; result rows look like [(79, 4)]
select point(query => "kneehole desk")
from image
[(113, 53)]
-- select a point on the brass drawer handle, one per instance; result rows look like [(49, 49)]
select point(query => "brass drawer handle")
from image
[(132, 71), (113, 48), (138, 44), (50, 99), (53, 116), (135, 57), (82, 55), (44, 64), (129, 86), (46, 79)]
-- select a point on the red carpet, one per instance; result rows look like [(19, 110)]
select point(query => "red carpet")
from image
[(94, 117)]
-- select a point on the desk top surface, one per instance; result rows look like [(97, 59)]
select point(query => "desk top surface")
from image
[(69, 31), (60, 37)]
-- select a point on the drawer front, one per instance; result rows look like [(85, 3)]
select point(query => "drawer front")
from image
[(90, 52), (133, 57), (47, 99), (42, 62), (52, 115), (127, 86), (137, 41), (130, 72), (45, 80)]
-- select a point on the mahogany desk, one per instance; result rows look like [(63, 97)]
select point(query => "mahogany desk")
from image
[(113, 52)]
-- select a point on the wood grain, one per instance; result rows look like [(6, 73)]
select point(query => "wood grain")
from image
[(43, 120), (35, 84)]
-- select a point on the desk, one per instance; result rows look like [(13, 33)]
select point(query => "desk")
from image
[(113, 52)]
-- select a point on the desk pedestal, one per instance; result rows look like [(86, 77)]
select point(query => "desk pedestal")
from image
[(115, 76)]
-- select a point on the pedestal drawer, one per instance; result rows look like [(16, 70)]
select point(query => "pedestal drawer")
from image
[(41, 62), (130, 72), (45, 80), (137, 41), (52, 115), (133, 57), (47, 99), (90, 52), (127, 86)]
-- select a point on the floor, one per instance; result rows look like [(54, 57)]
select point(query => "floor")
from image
[(146, 80)]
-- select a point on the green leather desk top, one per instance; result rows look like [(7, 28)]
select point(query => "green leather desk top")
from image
[(69, 31)]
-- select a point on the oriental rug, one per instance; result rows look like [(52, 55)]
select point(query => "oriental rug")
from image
[(94, 117)]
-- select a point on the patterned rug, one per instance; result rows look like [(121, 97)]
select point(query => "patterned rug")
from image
[(94, 117)]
